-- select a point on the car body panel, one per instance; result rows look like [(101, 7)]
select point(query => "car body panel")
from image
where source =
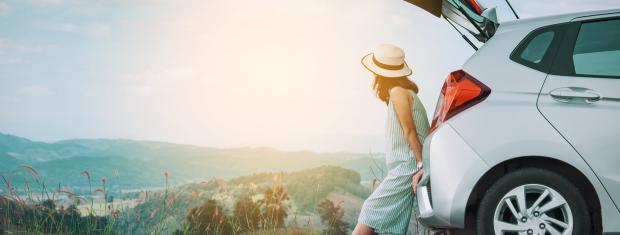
[(455, 177), (505, 126), (596, 148)]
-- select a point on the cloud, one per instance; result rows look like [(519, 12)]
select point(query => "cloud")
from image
[(92, 30), (5, 9), (160, 82), (8, 61), (45, 3), (139, 90), (34, 91), (8, 47), (4, 46), (12, 52)]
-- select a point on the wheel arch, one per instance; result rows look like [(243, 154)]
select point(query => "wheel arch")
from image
[(560, 167)]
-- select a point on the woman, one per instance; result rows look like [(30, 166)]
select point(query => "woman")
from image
[(389, 207)]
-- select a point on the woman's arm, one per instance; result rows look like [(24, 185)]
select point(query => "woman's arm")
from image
[(401, 99)]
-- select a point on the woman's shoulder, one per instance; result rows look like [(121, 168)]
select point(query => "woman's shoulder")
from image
[(400, 93), (396, 91)]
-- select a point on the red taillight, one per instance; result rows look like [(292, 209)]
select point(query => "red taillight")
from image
[(476, 7), (459, 92)]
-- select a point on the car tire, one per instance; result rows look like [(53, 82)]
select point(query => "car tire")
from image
[(495, 212)]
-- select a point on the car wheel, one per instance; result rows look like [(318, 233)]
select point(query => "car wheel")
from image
[(533, 201)]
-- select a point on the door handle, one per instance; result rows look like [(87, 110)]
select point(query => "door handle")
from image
[(574, 94)]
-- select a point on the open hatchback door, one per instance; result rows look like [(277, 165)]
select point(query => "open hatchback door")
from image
[(469, 14)]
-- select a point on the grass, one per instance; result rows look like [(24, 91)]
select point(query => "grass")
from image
[(34, 210)]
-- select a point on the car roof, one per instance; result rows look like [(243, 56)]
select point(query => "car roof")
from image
[(552, 19)]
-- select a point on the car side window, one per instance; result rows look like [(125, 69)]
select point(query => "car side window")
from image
[(537, 47), (597, 49)]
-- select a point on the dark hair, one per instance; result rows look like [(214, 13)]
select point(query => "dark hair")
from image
[(382, 86)]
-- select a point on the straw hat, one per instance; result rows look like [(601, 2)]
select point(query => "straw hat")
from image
[(387, 61)]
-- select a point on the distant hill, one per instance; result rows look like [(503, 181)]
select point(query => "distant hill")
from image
[(7, 162), (140, 164), (29, 151)]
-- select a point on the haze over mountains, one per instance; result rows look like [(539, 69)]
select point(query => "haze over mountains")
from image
[(140, 164)]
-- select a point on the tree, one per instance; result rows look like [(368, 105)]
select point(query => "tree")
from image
[(331, 216)]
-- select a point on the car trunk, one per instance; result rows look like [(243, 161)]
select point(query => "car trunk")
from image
[(469, 14)]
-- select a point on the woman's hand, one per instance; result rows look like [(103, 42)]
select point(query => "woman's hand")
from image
[(415, 179)]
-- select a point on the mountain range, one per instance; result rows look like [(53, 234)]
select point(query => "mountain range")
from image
[(132, 164)]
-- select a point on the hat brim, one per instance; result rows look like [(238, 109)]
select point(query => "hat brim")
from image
[(372, 67)]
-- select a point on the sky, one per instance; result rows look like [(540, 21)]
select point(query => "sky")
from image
[(224, 73)]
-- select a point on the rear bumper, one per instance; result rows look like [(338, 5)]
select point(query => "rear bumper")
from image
[(452, 169)]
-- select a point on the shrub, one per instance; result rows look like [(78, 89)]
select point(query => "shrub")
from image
[(247, 214), (275, 207), (208, 218), (331, 216)]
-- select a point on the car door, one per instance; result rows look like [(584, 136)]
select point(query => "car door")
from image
[(581, 96)]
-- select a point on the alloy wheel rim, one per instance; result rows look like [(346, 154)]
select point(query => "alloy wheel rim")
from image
[(533, 209)]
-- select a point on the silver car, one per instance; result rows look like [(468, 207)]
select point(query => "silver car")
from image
[(526, 136)]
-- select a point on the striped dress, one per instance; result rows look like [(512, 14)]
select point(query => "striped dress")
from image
[(388, 209)]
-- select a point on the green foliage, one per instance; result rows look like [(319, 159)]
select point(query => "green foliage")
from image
[(248, 215), (259, 203), (331, 216), (306, 188), (47, 218), (241, 196), (30, 213)]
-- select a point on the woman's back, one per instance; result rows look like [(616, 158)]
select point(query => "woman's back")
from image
[(398, 150)]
